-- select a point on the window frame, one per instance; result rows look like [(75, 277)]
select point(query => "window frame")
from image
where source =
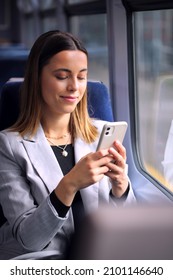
[(132, 6), (88, 8)]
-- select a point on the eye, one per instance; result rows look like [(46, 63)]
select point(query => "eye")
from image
[(82, 78), (61, 77)]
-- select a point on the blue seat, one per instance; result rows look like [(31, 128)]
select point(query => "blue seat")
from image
[(12, 62), (99, 104)]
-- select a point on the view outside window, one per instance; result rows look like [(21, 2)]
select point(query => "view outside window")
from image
[(79, 1), (92, 30), (153, 32)]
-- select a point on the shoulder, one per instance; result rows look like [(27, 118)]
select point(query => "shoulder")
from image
[(9, 139), (8, 134)]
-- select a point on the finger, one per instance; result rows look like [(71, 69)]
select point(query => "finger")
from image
[(102, 157), (102, 153), (117, 155), (118, 163), (116, 170), (120, 149), (97, 159), (118, 158)]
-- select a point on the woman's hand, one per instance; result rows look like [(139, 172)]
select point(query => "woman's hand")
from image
[(89, 170), (117, 169)]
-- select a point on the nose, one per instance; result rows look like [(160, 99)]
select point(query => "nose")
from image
[(73, 84)]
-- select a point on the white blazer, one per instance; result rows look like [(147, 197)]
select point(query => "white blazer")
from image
[(29, 172)]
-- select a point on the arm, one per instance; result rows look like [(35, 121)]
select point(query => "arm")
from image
[(33, 220)]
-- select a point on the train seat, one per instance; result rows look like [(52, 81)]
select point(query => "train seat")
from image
[(12, 62), (99, 104)]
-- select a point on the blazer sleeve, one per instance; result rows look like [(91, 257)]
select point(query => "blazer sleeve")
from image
[(33, 225)]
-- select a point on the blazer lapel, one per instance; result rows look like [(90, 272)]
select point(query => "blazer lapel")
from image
[(43, 159)]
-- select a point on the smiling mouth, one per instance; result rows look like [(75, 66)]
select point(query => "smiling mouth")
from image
[(69, 98)]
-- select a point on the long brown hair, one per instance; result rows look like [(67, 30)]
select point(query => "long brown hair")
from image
[(47, 45)]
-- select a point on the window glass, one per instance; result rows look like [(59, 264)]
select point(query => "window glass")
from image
[(47, 4), (30, 26), (79, 1), (27, 6), (48, 23), (4, 15), (154, 88), (92, 31)]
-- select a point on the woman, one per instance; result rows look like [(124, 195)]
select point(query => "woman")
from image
[(49, 167)]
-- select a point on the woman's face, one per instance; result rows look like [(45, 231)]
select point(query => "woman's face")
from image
[(63, 82)]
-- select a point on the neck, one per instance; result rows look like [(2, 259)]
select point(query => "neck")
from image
[(59, 140), (56, 128)]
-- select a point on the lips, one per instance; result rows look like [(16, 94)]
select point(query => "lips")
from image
[(70, 98)]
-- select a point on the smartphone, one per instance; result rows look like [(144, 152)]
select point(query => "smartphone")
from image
[(112, 131)]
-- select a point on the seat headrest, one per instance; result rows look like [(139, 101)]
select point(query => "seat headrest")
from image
[(99, 104)]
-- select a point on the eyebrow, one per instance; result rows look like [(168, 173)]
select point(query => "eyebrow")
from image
[(69, 71)]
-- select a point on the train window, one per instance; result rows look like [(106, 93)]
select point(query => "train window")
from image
[(78, 1), (48, 21), (154, 87), (92, 30), (4, 15), (47, 4)]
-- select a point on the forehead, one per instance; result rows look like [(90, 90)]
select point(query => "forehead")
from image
[(76, 58)]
